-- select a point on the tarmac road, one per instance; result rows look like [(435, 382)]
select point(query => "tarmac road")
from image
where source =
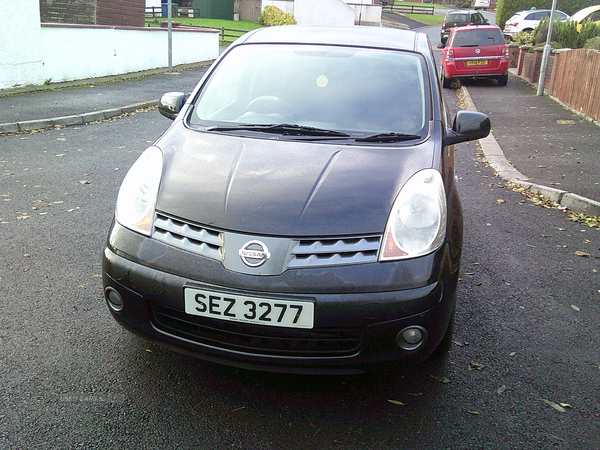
[(70, 377)]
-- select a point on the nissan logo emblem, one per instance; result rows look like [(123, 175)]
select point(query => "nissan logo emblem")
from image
[(254, 253)]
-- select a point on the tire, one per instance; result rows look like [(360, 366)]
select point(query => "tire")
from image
[(446, 82), (503, 80)]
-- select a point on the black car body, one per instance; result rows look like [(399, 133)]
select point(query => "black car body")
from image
[(253, 232), (460, 18)]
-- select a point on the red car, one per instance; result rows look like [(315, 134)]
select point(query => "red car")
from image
[(477, 51)]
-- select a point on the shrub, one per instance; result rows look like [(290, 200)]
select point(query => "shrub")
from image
[(563, 33), (273, 16), (593, 43), (463, 4), (524, 38)]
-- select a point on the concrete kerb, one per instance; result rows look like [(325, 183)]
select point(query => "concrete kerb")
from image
[(496, 159), (78, 119)]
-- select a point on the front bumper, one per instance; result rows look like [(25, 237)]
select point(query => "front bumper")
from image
[(359, 309)]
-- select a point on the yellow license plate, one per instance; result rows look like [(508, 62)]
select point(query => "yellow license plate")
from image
[(480, 62)]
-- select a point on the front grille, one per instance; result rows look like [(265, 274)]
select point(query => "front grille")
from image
[(188, 236), (258, 339), (303, 252), (335, 252)]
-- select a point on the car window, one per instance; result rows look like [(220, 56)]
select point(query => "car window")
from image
[(477, 19), (336, 88), (458, 19), (477, 38)]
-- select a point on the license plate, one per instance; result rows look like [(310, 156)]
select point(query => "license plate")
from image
[(255, 310), (480, 62)]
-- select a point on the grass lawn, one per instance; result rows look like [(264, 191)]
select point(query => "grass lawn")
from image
[(241, 25), (427, 19)]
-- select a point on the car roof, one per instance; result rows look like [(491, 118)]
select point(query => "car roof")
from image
[(355, 36), (476, 27), (527, 11), (584, 12), (462, 11)]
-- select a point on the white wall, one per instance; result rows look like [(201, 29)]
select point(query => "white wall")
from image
[(30, 53), (365, 13), (77, 52), (323, 12), (21, 60)]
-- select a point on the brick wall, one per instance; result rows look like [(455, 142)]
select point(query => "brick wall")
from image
[(68, 11), (121, 12), (93, 12)]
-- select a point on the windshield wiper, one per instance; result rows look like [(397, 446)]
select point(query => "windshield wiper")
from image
[(285, 129), (389, 137)]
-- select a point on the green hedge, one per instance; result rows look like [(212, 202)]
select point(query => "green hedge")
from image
[(506, 8), (563, 33), (273, 16)]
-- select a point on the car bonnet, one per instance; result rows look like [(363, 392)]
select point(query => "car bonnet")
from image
[(283, 187)]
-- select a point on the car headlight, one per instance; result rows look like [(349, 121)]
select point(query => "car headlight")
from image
[(417, 222), (137, 196)]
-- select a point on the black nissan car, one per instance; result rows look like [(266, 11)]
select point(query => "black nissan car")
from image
[(301, 213)]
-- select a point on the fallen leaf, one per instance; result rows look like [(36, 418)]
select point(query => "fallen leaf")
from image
[(396, 402), (500, 201), (474, 413), (84, 182), (475, 366), (501, 389), (442, 380), (556, 406), (582, 254), (511, 354), (576, 308)]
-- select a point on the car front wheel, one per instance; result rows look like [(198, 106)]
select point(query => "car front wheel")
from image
[(446, 82)]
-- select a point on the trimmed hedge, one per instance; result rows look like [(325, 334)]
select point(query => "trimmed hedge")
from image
[(273, 16), (564, 33), (593, 43)]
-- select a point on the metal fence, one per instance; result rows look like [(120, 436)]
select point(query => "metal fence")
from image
[(389, 5)]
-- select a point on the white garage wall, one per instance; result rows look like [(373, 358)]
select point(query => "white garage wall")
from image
[(323, 12), (74, 52), (20, 56)]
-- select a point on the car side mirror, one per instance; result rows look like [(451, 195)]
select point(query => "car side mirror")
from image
[(171, 103), (468, 126)]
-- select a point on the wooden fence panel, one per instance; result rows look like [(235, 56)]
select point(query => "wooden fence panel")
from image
[(577, 81)]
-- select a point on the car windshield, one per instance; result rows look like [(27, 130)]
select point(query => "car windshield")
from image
[(458, 19), (330, 91), (477, 38)]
